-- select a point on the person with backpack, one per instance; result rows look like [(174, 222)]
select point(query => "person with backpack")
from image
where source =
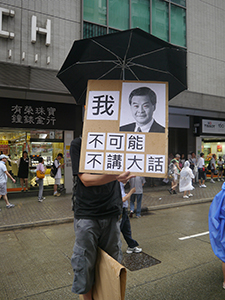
[(58, 174)]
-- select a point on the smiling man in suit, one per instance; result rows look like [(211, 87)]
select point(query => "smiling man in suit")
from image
[(143, 104)]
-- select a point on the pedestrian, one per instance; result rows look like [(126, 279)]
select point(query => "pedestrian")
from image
[(58, 175), (137, 183), (216, 221), (97, 209), (185, 184), (213, 167), (9, 165), (182, 160), (40, 181), (23, 171), (4, 174), (174, 165), (220, 164), (193, 165), (125, 223), (201, 171)]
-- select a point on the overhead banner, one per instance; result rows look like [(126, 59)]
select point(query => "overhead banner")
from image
[(125, 128)]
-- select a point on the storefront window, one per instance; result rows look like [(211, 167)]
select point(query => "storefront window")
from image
[(44, 143), (160, 19), (140, 14)]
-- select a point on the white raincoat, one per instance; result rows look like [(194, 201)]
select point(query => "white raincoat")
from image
[(186, 176)]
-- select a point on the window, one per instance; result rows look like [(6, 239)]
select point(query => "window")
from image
[(165, 19), (92, 30), (95, 11), (160, 19), (119, 14), (178, 25), (180, 2), (140, 14)]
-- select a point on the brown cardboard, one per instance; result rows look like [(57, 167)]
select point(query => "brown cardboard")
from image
[(110, 278), (155, 143)]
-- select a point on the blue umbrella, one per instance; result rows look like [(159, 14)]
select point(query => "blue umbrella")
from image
[(217, 224)]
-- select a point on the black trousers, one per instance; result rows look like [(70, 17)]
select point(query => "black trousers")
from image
[(126, 229)]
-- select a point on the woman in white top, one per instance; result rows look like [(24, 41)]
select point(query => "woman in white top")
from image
[(201, 171)]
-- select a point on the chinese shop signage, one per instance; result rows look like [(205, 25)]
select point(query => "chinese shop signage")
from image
[(37, 114), (125, 128)]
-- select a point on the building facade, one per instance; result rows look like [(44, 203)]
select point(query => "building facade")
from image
[(37, 112), (36, 36)]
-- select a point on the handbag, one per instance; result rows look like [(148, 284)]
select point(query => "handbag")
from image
[(40, 175)]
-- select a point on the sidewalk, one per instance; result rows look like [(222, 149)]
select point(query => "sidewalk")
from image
[(28, 212)]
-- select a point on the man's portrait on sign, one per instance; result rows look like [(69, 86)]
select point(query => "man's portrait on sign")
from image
[(143, 107)]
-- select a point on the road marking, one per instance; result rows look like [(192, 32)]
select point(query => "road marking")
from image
[(193, 236)]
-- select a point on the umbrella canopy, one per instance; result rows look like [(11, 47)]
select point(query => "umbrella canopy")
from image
[(126, 55)]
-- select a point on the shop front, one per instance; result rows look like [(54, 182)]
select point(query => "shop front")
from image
[(42, 129), (211, 139)]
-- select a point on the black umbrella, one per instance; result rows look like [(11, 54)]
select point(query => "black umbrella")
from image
[(128, 55)]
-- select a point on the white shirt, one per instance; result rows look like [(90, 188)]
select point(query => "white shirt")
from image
[(125, 203), (145, 128), (213, 163), (201, 163), (220, 163), (57, 164), (138, 183), (3, 169)]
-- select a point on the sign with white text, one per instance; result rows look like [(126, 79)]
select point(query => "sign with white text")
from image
[(212, 126)]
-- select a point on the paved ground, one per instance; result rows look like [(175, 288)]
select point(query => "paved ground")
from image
[(29, 212), (35, 262)]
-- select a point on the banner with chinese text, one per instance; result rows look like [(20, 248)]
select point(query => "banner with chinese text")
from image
[(125, 128)]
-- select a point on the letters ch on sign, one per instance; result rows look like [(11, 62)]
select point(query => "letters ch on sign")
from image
[(34, 28)]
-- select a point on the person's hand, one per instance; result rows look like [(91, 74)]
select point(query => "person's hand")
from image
[(14, 180), (124, 177), (133, 190)]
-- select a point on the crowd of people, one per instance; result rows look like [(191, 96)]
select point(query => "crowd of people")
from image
[(187, 172), (23, 164)]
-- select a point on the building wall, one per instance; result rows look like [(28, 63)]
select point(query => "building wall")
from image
[(205, 57), (65, 28), (206, 44)]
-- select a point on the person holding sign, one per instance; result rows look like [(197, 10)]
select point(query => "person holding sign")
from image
[(97, 210), (143, 104)]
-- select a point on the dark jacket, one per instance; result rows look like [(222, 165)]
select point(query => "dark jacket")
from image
[(154, 128)]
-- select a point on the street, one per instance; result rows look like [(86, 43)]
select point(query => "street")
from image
[(35, 262)]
